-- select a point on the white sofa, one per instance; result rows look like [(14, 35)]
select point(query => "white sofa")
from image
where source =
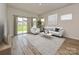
[(53, 31)]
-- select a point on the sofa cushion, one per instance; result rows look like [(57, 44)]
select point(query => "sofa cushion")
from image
[(50, 28), (54, 32)]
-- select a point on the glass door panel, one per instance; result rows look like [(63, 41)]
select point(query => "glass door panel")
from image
[(21, 25)]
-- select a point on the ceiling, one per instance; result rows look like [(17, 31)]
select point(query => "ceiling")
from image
[(38, 8)]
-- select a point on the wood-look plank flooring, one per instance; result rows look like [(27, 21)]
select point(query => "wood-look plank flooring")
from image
[(21, 46), (69, 47), (5, 49)]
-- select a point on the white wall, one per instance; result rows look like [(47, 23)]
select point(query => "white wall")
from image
[(71, 26), (11, 13), (3, 17)]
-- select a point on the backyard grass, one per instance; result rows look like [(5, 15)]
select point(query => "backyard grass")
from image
[(22, 28)]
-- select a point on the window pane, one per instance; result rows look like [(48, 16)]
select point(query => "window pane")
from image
[(66, 17), (52, 20), (21, 25), (34, 22), (34, 19), (42, 20), (24, 19), (19, 19)]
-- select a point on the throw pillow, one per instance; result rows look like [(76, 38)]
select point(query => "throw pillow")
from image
[(57, 29)]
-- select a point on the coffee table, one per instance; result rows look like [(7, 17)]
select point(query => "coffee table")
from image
[(47, 35)]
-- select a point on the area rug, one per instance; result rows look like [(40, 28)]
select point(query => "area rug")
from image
[(46, 46), (69, 47)]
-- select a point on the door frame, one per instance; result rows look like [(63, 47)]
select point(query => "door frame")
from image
[(15, 25)]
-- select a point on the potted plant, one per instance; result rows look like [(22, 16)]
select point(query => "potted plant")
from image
[(39, 24)]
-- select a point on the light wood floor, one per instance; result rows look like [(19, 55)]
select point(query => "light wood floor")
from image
[(21, 46), (5, 49), (69, 47)]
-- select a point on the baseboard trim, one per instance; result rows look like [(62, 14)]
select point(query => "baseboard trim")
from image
[(70, 38)]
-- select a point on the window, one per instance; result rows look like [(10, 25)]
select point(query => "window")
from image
[(52, 20), (66, 17), (21, 25), (42, 20), (34, 22), (34, 19)]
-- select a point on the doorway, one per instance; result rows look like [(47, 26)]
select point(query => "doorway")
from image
[(21, 25)]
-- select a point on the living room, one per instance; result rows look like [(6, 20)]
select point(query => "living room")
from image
[(50, 27)]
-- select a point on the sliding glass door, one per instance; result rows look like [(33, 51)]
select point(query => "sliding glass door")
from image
[(21, 25)]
